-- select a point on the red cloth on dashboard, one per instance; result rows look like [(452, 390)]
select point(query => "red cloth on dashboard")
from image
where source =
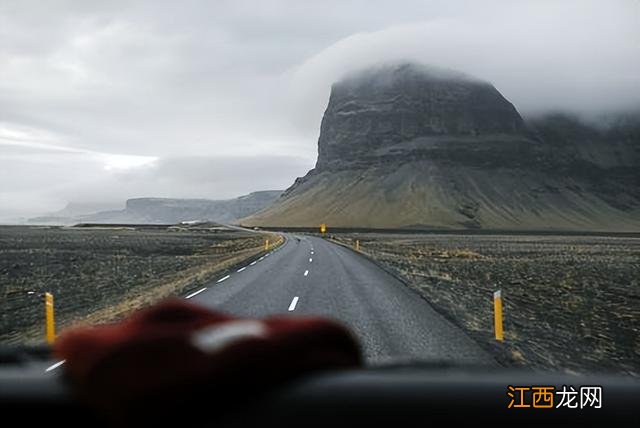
[(162, 353)]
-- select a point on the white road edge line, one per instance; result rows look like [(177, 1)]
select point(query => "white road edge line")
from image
[(253, 263), (55, 366), (241, 269), (306, 272), (196, 293), (293, 304), (222, 279)]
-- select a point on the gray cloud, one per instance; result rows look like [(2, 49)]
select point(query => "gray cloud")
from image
[(96, 178), (190, 98), (579, 56), (209, 177)]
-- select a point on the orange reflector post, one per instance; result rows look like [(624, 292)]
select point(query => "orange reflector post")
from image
[(497, 315), (50, 322)]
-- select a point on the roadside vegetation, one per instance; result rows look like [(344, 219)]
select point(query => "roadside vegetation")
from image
[(100, 274)]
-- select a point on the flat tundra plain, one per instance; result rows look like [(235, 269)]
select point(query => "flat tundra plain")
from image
[(571, 303), (100, 274)]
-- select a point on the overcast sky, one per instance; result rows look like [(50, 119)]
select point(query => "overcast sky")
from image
[(105, 100)]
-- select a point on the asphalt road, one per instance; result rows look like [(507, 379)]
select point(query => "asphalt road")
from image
[(310, 276)]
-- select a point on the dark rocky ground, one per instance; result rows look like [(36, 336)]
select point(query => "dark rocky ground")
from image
[(101, 274), (571, 302)]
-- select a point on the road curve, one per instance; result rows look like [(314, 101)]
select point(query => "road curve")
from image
[(310, 276)]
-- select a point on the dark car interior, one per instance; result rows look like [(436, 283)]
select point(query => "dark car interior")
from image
[(411, 393)]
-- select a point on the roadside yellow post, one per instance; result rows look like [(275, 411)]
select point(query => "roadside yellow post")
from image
[(266, 245), (50, 323), (323, 228), (497, 315), (357, 245)]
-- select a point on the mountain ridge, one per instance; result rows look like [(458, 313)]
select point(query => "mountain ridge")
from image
[(151, 210), (454, 153)]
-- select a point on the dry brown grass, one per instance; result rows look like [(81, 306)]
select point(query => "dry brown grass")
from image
[(103, 274)]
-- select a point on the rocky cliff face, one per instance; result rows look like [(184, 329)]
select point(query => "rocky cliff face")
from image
[(411, 146), (372, 115)]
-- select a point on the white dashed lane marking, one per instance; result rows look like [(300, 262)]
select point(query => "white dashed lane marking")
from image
[(293, 304), (241, 269), (59, 363), (306, 272), (222, 279), (196, 293), (253, 263)]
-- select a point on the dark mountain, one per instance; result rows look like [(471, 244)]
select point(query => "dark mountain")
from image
[(412, 146)]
